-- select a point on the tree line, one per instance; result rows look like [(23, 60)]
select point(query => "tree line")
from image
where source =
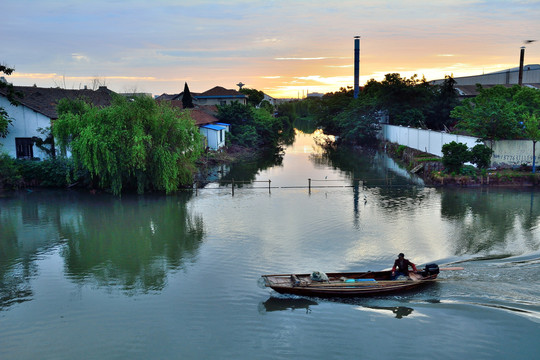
[(135, 144), (496, 113)]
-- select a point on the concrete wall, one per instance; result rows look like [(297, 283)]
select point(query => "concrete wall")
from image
[(25, 123), (507, 153), (513, 152)]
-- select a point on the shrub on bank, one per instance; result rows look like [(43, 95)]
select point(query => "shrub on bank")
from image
[(10, 177), (46, 173)]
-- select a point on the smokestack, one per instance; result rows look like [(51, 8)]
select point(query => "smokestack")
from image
[(356, 66), (521, 56)]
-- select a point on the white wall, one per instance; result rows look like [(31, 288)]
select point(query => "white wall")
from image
[(25, 123), (424, 140), (213, 137), (507, 153)]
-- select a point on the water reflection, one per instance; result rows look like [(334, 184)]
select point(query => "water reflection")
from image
[(281, 304), (489, 219), (293, 304), (399, 311), (130, 243)]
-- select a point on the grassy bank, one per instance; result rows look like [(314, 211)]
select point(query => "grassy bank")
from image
[(431, 169)]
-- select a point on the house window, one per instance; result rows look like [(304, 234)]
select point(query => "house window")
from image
[(24, 148), (222, 102), (220, 136)]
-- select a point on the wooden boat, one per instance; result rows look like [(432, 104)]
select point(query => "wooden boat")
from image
[(350, 284)]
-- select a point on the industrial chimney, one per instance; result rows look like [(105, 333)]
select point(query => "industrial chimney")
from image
[(356, 66)]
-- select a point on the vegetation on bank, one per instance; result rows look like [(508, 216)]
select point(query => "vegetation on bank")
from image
[(435, 173), (140, 145), (147, 147), (496, 113)]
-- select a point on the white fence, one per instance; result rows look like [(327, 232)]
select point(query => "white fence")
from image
[(507, 153)]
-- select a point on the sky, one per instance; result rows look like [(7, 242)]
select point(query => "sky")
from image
[(284, 48)]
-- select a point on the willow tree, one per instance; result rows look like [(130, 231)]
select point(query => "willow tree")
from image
[(131, 144)]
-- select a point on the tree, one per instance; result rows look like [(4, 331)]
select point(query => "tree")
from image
[(455, 155), (11, 94), (480, 155), (444, 100), (532, 132), (330, 106), (495, 114), (406, 101), (358, 124), (187, 99), (254, 96), (131, 144), (254, 128)]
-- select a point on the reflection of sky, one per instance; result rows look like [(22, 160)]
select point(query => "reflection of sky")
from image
[(327, 231)]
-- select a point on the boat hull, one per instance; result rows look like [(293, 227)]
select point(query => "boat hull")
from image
[(347, 284)]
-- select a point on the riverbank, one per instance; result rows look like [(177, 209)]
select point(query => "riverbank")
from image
[(431, 169)]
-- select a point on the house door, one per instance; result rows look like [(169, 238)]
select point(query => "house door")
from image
[(24, 148)]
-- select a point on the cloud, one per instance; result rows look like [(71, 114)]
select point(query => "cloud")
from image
[(79, 57), (303, 58)]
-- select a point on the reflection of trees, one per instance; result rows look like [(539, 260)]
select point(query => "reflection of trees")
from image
[(247, 170), (369, 169), (488, 219), (15, 273), (24, 233), (307, 126), (132, 243)]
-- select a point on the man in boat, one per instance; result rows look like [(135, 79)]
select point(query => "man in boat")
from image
[(402, 266)]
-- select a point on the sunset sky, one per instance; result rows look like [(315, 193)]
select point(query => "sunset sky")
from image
[(284, 48)]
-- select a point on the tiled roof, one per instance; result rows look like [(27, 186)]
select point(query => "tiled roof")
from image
[(201, 114), (167, 97), (45, 100), (221, 91)]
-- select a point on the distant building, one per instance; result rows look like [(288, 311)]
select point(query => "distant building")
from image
[(531, 75), (315, 95), (37, 110), (207, 122), (270, 99), (215, 96)]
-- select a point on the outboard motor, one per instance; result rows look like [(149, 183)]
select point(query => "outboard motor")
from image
[(430, 269)]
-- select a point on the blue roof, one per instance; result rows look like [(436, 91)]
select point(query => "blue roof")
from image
[(213, 127), (222, 124)]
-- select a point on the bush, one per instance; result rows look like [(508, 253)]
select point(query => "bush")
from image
[(455, 155), (48, 173), (10, 177), (481, 156)]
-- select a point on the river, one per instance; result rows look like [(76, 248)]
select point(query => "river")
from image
[(92, 276)]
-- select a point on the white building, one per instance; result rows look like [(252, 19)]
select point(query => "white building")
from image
[(36, 112), (215, 135)]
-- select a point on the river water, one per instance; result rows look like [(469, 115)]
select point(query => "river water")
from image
[(91, 276)]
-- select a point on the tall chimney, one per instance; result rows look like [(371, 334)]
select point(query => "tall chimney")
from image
[(356, 66), (521, 56)]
